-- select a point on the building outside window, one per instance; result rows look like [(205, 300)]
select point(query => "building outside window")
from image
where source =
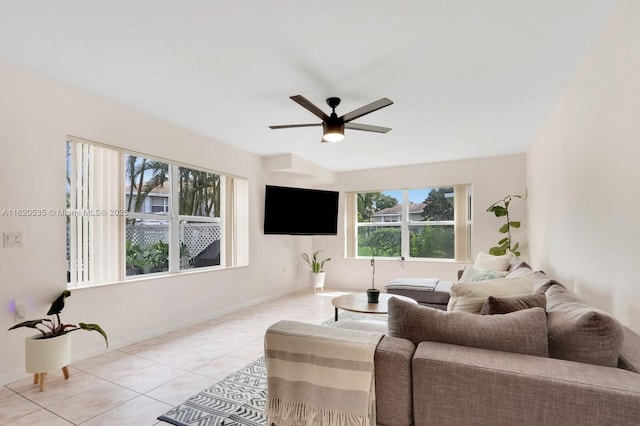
[(159, 202), (422, 223)]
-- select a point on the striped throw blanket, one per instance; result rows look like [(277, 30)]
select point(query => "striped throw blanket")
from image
[(319, 375)]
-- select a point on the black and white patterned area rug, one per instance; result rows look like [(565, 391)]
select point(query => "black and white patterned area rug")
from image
[(238, 399)]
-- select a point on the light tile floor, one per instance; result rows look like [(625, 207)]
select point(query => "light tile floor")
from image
[(135, 384)]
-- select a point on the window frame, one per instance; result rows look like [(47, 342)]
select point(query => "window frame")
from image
[(179, 218), (233, 234), (461, 224)]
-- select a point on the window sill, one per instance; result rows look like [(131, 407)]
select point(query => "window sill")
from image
[(413, 259), (156, 276)]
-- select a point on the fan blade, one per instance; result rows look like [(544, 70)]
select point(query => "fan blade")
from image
[(306, 103), (366, 127), (287, 126), (373, 106)]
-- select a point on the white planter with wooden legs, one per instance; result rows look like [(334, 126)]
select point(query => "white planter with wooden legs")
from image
[(44, 355), (317, 281)]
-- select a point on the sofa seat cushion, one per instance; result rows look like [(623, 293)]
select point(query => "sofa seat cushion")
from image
[(467, 386), (469, 297), (580, 332), (522, 332)]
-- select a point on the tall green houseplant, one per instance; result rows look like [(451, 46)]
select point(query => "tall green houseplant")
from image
[(501, 209)]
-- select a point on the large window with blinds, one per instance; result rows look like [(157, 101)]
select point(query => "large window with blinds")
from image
[(131, 215)]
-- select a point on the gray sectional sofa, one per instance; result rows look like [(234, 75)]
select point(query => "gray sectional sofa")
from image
[(568, 364), (439, 383)]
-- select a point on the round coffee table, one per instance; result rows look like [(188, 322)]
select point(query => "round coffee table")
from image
[(357, 302)]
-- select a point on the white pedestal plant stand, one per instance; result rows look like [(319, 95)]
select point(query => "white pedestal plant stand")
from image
[(44, 355), (317, 281)]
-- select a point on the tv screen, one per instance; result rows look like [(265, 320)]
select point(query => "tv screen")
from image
[(298, 211)]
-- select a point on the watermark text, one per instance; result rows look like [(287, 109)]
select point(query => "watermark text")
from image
[(63, 212)]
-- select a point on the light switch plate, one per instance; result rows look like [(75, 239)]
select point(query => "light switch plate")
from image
[(12, 239)]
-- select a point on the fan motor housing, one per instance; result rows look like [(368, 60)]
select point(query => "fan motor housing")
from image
[(333, 102)]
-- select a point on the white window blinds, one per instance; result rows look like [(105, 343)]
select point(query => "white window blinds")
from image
[(95, 225)]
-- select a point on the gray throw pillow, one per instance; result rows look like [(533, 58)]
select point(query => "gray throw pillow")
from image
[(504, 305), (523, 332), (580, 332)]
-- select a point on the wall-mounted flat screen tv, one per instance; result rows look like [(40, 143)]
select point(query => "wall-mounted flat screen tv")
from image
[(299, 211)]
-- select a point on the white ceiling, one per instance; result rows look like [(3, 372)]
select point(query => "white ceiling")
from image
[(468, 78)]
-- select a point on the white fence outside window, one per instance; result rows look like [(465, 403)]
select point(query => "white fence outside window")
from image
[(195, 236)]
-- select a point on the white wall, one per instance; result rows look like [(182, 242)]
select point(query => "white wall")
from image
[(36, 115), (584, 175), (491, 179)]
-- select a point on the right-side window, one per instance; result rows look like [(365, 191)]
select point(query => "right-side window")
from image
[(425, 223)]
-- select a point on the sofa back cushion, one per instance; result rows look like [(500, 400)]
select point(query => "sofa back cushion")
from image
[(522, 332), (517, 263), (541, 282), (580, 332)]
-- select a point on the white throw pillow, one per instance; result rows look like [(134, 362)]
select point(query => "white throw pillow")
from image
[(469, 297), (471, 274), (493, 263)]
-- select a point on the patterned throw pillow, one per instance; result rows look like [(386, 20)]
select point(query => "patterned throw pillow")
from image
[(472, 274)]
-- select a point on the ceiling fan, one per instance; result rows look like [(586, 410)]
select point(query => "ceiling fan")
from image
[(332, 125)]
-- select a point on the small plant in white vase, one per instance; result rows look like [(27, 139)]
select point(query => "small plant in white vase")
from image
[(317, 273)]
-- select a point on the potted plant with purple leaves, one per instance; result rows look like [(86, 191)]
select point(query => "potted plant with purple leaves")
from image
[(51, 349)]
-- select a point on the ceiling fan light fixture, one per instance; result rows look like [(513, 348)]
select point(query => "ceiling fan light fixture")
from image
[(332, 132), (332, 125)]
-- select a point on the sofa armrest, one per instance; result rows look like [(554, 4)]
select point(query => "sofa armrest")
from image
[(454, 385), (393, 381)]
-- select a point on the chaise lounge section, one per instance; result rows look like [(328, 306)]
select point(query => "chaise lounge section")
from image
[(427, 292)]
